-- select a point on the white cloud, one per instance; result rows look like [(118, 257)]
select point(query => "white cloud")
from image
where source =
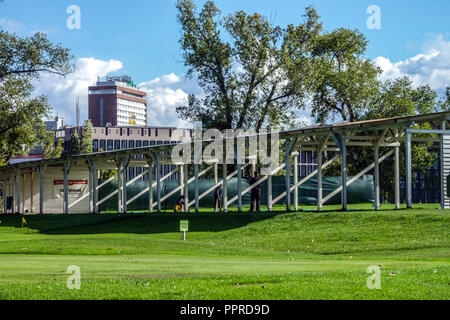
[(12, 25), (63, 92), (22, 29), (164, 94), (431, 67)]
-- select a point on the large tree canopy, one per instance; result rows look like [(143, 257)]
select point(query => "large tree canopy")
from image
[(347, 81), (21, 114), (253, 74)]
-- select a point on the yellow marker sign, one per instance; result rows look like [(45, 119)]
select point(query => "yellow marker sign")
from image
[(23, 222)]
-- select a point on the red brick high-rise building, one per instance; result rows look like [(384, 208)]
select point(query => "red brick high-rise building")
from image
[(117, 102)]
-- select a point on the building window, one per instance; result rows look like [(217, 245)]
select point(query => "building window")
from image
[(159, 142), (131, 144), (170, 133), (116, 144), (95, 145), (149, 132), (145, 143), (138, 143), (110, 144), (102, 145), (152, 142), (156, 132), (124, 144)]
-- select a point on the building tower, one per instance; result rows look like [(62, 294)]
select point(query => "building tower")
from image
[(117, 102)]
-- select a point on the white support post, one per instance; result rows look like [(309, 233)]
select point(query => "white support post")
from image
[(181, 179), (66, 186), (269, 192), (4, 193), (225, 187), (93, 186), (119, 186), (216, 178), (196, 187), (8, 192), (22, 192), (40, 172), (319, 179), (287, 178), (186, 188), (408, 170), (13, 192), (125, 163), (376, 173), (295, 180), (31, 191), (158, 182), (239, 185), (19, 191), (397, 177), (150, 184), (287, 181), (344, 173)]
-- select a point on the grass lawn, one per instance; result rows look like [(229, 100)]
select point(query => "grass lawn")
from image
[(298, 255)]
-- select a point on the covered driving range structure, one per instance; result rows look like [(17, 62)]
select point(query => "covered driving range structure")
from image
[(49, 185)]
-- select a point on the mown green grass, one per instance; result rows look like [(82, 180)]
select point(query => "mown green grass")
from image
[(299, 255)]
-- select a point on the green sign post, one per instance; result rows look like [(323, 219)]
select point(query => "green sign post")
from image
[(184, 227)]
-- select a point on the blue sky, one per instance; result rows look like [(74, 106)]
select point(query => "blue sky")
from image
[(143, 34)]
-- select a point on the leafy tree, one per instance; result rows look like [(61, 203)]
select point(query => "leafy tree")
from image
[(444, 104), (86, 137), (74, 143), (399, 98), (346, 81), (21, 60), (105, 174), (254, 76), (81, 142), (50, 149)]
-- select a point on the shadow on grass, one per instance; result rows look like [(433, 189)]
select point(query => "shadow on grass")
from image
[(137, 223), (154, 223)]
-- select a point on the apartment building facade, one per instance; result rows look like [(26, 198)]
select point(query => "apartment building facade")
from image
[(117, 102), (116, 138)]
